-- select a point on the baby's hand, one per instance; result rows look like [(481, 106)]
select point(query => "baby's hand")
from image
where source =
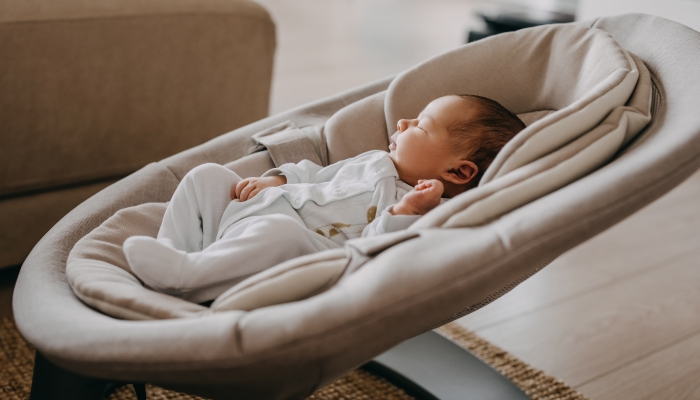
[(424, 197), (248, 188)]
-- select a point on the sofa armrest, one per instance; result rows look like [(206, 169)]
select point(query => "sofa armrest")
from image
[(91, 90)]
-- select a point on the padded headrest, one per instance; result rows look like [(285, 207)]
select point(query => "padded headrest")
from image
[(579, 72), (544, 68)]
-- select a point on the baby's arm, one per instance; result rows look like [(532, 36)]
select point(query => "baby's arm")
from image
[(249, 187), (304, 171), (424, 197)]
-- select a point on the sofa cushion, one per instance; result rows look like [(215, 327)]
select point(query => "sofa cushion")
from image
[(133, 82)]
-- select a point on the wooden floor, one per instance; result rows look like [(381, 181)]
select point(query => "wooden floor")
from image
[(617, 317)]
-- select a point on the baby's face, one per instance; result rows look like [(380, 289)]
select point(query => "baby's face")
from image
[(420, 148)]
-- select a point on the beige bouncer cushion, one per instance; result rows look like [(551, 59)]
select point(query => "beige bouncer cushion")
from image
[(581, 95)]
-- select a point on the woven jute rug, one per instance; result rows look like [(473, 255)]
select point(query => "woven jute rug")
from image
[(17, 363)]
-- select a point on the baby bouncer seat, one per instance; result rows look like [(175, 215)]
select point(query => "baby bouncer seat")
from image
[(579, 167)]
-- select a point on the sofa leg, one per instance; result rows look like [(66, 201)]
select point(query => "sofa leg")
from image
[(50, 381)]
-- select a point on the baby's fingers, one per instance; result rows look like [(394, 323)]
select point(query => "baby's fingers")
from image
[(240, 186), (435, 186), (245, 193), (420, 186), (236, 190), (255, 192)]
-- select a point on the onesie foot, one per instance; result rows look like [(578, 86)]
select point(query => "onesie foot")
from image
[(154, 261)]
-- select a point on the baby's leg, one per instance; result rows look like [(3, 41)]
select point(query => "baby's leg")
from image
[(192, 218), (248, 247), (190, 223)]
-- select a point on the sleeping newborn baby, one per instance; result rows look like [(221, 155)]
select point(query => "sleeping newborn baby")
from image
[(220, 229)]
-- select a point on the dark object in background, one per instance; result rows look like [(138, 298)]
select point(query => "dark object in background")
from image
[(509, 21)]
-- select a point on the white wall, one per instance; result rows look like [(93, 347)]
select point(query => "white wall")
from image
[(687, 12)]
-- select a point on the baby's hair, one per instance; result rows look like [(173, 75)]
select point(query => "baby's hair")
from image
[(480, 137)]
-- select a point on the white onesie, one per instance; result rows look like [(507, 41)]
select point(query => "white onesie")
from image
[(207, 243)]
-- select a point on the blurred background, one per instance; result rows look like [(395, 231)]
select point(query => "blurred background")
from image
[(327, 46)]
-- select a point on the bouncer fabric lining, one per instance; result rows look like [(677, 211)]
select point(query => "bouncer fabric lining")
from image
[(583, 98), (116, 291)]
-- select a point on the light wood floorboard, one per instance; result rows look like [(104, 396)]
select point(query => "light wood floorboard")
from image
[(586, 337), (611, 314), (664, 230), (673, 373)]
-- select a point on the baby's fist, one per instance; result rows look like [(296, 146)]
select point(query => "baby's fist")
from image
[(424, 197)]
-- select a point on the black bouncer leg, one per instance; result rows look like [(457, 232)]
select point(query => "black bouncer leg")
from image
[(430, 367), (140, 390), (50, 381)]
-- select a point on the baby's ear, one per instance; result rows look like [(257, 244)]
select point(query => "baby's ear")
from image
[(462, 173)]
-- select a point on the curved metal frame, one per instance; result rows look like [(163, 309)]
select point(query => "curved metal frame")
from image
[(431, 367)]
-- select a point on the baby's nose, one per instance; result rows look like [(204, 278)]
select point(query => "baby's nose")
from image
[(401, 125)]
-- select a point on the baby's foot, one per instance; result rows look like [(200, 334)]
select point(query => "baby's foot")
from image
[(155, 262)]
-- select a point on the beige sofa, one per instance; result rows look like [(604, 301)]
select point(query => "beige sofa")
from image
[(91, 91)]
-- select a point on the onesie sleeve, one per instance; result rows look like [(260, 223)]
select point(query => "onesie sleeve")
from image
[(387, 222), (306, 171)]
